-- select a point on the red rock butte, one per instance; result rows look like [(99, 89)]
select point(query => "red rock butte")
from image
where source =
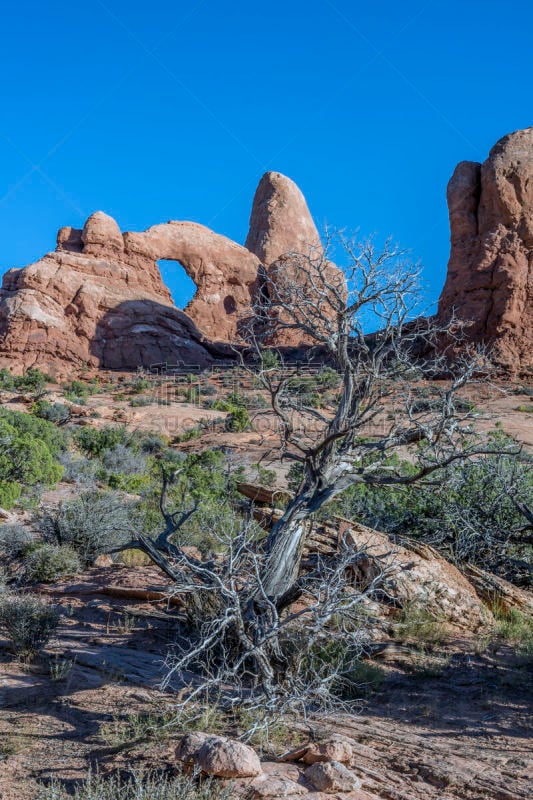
[(490, 272), (99, 299)]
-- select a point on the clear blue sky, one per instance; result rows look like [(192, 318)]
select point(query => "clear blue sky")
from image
[(173, 110)]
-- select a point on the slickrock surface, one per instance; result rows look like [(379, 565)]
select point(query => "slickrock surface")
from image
[(490, 272)]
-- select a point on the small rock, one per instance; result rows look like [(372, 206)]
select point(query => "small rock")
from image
[(103, 560), (219, 756), (330, 777), (333, 750)]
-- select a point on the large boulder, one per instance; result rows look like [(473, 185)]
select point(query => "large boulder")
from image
[(219, 756), (489, 284)]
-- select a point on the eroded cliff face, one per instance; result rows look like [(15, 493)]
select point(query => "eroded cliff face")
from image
[(99, 299), (490, 273)]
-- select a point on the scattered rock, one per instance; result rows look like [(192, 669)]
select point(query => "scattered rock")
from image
[(331, 777), (219, 756), (331, 750)]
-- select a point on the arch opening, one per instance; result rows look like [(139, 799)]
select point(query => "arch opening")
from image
[(181, 286)]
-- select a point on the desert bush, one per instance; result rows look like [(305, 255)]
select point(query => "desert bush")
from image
[(122, 459), (28, 622), (78, 391), (266, 477), (78, 469), (152, 443), (418, 624), (58, 413), (134, 557), (139, 786), (28, 449), (238, 419), (95, 441), (470, 513), (142, 401), (93, 523), (208, 389), (515, 627), (140, 385), (327, 378), (47, 563), (14, 540), (32, 382)]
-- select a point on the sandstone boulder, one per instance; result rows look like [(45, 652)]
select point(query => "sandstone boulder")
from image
[(331, 777), (336, 749), (416, 575), (489, 284), (219, 756)]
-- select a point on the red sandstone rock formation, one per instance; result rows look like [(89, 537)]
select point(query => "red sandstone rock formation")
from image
[(490, 272), (280, 221), (99, 298)]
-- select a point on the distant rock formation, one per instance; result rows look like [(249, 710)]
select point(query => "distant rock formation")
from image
[(280, 222), (99, 299), (490, 272)]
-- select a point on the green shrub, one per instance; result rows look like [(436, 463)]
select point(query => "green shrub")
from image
[(467, 511), (46, 563), (10, 492), (93, 523), (140, 385), (238, 419), (28, 623), (28, 449), (94, 441), (327, 378), (266, 477), (77, 391), (32, 382)]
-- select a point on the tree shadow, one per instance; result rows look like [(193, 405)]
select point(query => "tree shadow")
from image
[(463, 694)]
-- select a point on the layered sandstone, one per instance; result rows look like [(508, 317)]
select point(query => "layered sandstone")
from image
[(99, 299), (490, 272)]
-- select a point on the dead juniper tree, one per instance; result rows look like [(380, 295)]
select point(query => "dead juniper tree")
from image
[(382, 375), (260, 633)]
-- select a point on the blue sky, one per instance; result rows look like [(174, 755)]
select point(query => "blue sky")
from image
[(173, 110)]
